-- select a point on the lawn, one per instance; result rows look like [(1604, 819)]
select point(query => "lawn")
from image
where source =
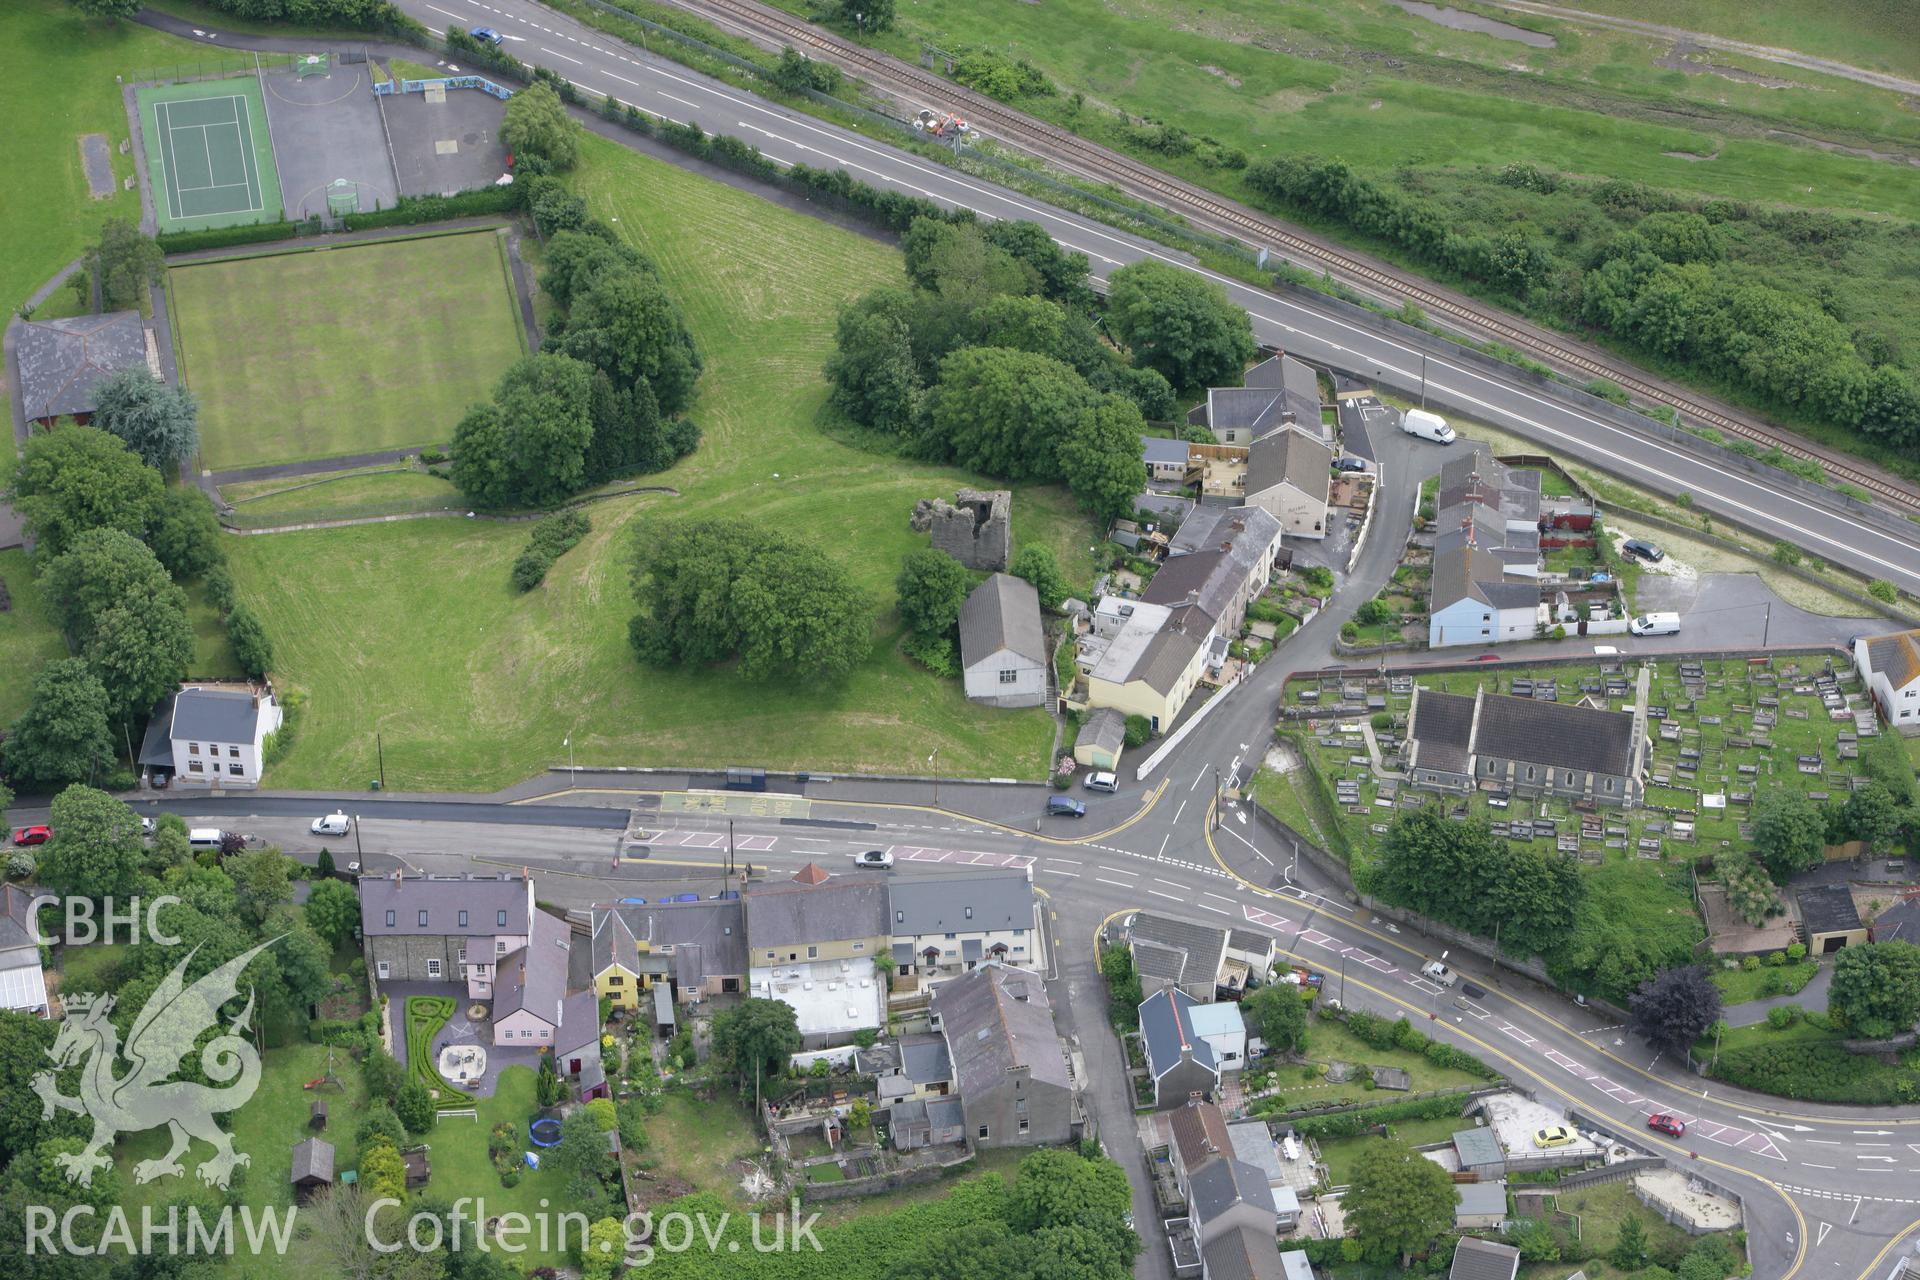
[(1330, 1041), (29, 635), (474, 685), (1876, 34), (297, 356), (59, 71), (700, 1143), (1737, 986), (1340, 1153), (337, 496)]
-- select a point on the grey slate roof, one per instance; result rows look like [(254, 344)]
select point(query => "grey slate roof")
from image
[(1554, 733), (443, 898), (1223, 1182), (1477, 477), (1251, 941), (1164, 1026), (1302, 389), (1828, 909), (996, 1018), (61, 360), (197, 715), (1162, 451), (1465, 572), (1002, 613), (1151, 960), (1269, 373), (1243, 1254), (1895, 656), (15, 927), (1167, 655), (1203, 578), (1442, 725), (1291, 457), (1252, 1142), (1477, 1259), (1476, 1198), (1202, 945), (945, 1113), (924, 1059), (961, 902), (1105, 729), (312, 1160), (793, 912), (1254, 408), (534, 977), (579, 1023), (713, 932)]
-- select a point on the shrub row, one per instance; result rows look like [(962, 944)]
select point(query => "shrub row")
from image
[(425, 1016), (552, 538), (1378, 1033), (1818, 1073), (1347, 1124)]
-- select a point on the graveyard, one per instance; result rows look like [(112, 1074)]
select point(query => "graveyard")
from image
[(1722, 730)]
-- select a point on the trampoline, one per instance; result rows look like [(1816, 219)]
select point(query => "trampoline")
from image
[(543, 1131)]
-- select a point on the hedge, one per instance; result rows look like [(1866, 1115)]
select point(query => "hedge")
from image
[(222, 237), (1348, 1124), (1819, 1073), (425, 1016), (406, 212)]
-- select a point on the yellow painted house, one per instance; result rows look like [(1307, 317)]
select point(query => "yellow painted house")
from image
[(698, 948)]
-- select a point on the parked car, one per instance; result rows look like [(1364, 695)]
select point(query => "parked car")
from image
[(146, 826), (1555, 1135), (1349, 463), (879, 859), (686, 897), (1655, 624), (1643, 549), (1102, 782), (334, 824), (633, 902), (1065, 807), (1487, 657), (1672, 1126), (1434, 971), (39, 833), (486, 35), (1473, 991)]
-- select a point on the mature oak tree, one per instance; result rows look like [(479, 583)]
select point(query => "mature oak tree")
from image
[(80, 478)]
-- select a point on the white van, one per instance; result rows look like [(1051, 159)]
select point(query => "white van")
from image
[(206, 837), (1655, 624), (1428, 426)]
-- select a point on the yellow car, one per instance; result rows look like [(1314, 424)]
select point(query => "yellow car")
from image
[(1554, 1135)]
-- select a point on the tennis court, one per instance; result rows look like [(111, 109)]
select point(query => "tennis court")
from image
[(210, 158)]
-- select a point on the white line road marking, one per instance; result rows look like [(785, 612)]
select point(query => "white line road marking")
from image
[(1168, 896), (1206, 906), (575, 61), (1055, 871), (622, 79), (1119, 884)]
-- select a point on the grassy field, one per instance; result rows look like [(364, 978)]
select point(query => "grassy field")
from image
[(59, 69), (474, 685), (337, 496), (1876, 34), (29, 636), (317, 355)]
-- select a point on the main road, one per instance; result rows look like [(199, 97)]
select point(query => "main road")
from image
[(603, 66)]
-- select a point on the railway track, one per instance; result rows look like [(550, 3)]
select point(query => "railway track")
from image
[(1103, 165)]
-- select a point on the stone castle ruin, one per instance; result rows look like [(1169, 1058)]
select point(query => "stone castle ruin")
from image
[(976, 528)]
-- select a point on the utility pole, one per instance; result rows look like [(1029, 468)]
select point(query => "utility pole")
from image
[(380, 751), (359, 854), (1423, 379), (1766, 627), (1343, 979), (729, 874), (933, 762), (1216, 797)]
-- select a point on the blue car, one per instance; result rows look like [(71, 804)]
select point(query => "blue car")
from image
[(487, 34), (633, 902), (686, 897)]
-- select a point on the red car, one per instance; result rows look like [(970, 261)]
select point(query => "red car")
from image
[(38, 834), (1672, 1126), (1486, 657)]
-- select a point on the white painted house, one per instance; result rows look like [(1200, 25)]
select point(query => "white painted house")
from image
[(1221, 1026), (210, 735), (1890, 667), (1003, 650)]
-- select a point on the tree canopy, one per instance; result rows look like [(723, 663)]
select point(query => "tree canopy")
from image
[(537, 124), (159, 423), (95, 850), (1277, 1013), (124, 261), (627, 324), (1675, 1008), (932, 586), (528, 447), (1457, 872), (63, 736), (1789, 831), (80, 478), (140, 649), (710, 590), (1037, 565), (1398, 1203), (1876, 988), (1179, 324), (100, 570), (757, 1037)]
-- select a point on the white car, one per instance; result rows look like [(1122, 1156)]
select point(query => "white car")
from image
[(876, 858), (334, 824), (1434, 971), (146, 826)]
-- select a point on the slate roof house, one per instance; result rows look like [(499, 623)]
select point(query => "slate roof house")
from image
[(1830, 919), (1003, 649), (812, 941), (1289, 474), (1166, 459), (61, 360), (1224, 1194), (1008, 1062), (1477, 1259), (1527, 747), (1889, 666), (211, 735), (1486, 554), (1180, 1064), (952, 921), (1168, 952), (1276, 392), (530, 990), (444, 928), (1140, 660), (696, 949), (23, 984)]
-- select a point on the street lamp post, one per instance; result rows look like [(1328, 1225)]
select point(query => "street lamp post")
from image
[(573, 774), (933, 763)]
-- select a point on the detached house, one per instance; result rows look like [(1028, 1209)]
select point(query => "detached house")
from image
[(1177, 953), (953, 921), (211, 735), (1003, 649), (1889, 665), (1277, 392), (812, 942), (1008, 1062), (1289, 475)]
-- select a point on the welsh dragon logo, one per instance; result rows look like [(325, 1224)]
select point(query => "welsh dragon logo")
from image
[(144, 1097)]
